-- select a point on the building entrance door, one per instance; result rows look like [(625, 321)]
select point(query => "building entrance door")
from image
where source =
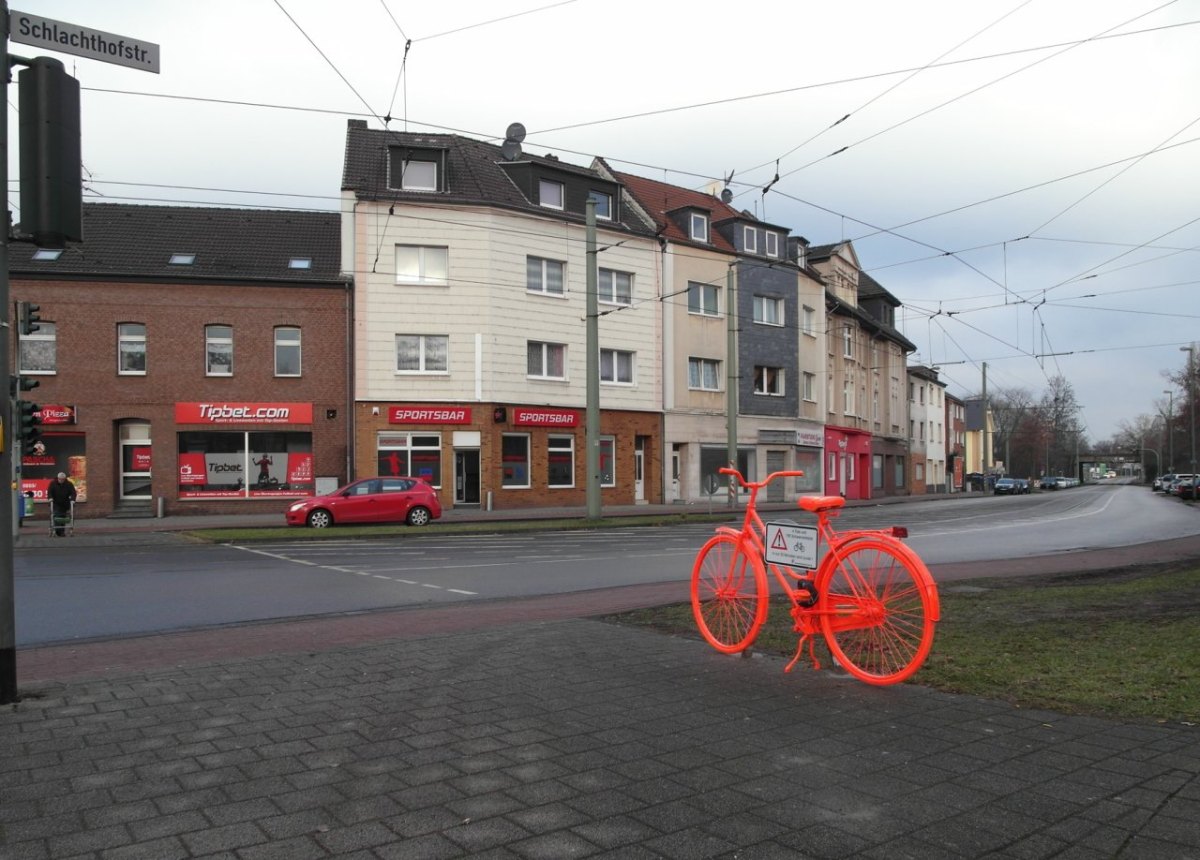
[(134, 480), (466, 476)]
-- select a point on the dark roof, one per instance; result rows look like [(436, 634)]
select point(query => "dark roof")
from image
[(476, 173), (869, 288), (125, 240)]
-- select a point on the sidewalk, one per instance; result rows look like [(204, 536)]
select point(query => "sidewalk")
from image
[(529, 729)]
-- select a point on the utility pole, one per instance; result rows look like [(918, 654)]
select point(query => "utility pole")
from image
[(592, 312), (985, 456), (1191, 373), (8, 614), (1170, 429), (731, 385)]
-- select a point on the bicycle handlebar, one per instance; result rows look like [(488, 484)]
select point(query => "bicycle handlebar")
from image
[(791, 473)]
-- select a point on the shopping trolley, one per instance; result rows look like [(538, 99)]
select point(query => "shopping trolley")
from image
[(62, 523)]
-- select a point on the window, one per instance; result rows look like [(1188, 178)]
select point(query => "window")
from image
[(131, 348), (614, 288), (418, 264), (768, 311), (608, 461), (237, 464), (603, 205), (287, 351), (616, 366), (750, 240), (418, 175), (848, 342), (703, 299), (808, 321), (47, 255), (422, 353), (514, 460), (810, 382), (218, 350), (544, 276), (560, 461), (847, 398), (550, 194), (898, 472), (300, 263), (772, 240), (182, 260), (546, 360), (416, 454), (768, 380), (38, 352), (698, 227), (704, 374)]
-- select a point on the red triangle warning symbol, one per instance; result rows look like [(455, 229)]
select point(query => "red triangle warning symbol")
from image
[(779, 541)]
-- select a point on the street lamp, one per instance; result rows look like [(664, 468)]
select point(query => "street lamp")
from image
[(1191, 351), (1170, 430)]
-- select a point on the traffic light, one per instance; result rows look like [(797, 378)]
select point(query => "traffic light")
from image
[(17, 384), (30, 317), (28, 419)]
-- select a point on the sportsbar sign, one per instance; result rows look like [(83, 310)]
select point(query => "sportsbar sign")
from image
[(225, 412), (526, 417), (429, 415)]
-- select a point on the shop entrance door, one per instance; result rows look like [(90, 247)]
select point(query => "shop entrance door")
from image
[(466, 477), (775, 489), (639, 469), (134, 482)]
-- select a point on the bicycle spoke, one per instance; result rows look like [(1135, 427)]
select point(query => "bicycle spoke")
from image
[(729, 600)]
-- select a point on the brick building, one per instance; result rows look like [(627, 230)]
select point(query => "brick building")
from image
[(188, 358)]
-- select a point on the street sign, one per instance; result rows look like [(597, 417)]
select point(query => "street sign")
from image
[(82, 41), (792, 545)]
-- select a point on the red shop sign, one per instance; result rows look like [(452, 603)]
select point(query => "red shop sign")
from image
[(55, 414), (230, 412), (411, 414), (544, 417)]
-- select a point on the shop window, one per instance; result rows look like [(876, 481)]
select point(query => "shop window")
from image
[(560, 457), (39, 351), (514, 460), (218, 350), (417, 455), (713, 458), (287, 351), (131, 349), (608, 461), (238, 464)]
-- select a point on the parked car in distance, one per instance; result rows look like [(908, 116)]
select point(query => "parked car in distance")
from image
[(1188, 489), (1006, 487), (369, 500), (1161, 482), (1177, 481), (1048, 482)]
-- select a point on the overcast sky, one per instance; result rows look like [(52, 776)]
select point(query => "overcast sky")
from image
[(1021, 174)]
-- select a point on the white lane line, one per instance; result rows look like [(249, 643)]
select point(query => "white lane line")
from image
[(355, 572), (460, 591)]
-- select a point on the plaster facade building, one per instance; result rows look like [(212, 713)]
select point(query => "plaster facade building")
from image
[(927, 431)]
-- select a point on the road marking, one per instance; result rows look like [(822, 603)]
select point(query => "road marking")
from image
[(337, 569)]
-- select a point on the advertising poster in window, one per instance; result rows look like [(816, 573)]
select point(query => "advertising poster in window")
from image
[(245, 465), (54, 453)]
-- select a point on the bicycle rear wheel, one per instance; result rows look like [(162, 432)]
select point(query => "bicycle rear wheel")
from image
[(878, 606), (729, 593)]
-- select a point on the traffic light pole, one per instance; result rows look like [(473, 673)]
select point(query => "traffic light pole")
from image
[(8, 615)]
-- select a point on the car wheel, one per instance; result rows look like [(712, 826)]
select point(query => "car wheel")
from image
[(419, 516), (320, 519)]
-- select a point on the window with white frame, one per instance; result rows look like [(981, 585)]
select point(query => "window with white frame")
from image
[(38, 352), (810, 384), (703, 299), (768, 310), (750, 240), (544, 276), (768, 380), (808, 321), (514, 460), (704, 374), (772, 240), (131, 349), (848, 341), (614, 288), (550, 194), (560, 461), (546, 360), (604, 210), (847, 398), (616, 366), (287, 350), (698, 227), (218, 350), (422, 264), (422, 353), (418, 175)]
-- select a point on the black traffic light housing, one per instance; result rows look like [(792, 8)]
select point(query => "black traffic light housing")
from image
[(51, 175), (29, 317), (28, 419)]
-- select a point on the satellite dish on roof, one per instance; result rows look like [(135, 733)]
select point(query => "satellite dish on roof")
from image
[(726, 195), (513, 135)]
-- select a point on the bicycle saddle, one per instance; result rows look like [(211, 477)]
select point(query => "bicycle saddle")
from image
[(816, 504)]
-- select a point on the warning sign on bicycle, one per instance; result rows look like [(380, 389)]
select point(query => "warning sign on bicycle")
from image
[(791, 544)]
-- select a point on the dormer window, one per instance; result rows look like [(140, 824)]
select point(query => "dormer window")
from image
[(418, 176), (772, 242), (47, 255), (182, 259), (603, 205), (550, 194), (698, 229), (416, 169), (750, 240)]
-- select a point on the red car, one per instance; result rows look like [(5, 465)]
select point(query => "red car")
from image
[(369, 500)]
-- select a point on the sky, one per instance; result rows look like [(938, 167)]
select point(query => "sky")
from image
[(1021, 174)]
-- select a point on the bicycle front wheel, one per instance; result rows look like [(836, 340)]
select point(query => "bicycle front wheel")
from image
[(877, 610), (729, 593)]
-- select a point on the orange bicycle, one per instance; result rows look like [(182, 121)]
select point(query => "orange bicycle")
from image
[(870, 596)]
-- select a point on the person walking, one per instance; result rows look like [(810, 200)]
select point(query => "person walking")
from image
[(62, 497)]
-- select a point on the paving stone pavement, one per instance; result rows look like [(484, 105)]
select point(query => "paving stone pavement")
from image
[(570, 738)]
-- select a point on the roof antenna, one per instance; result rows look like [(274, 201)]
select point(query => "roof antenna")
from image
[(513, 135), (726, 192)]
